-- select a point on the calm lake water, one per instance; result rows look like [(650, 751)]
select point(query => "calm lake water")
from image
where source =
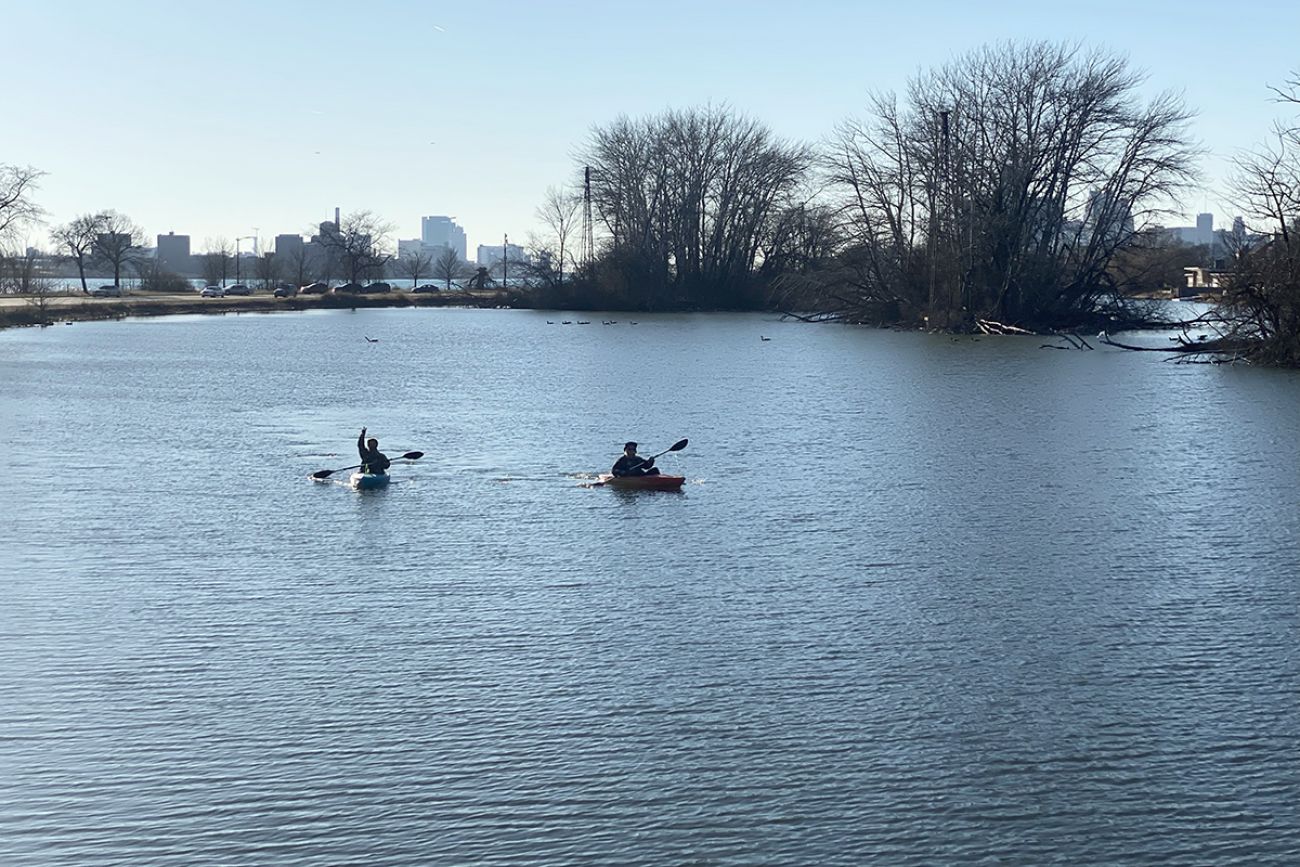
[(922, 601)]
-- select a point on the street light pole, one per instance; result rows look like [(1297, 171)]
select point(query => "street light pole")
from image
[(253, 238)]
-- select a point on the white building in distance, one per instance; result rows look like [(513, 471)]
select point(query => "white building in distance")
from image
[(492, 255), (1202, 234)]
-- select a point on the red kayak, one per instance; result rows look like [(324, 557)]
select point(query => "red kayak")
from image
[(643, 483)]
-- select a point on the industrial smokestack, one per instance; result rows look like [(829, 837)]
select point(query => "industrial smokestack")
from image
[(336, 217)]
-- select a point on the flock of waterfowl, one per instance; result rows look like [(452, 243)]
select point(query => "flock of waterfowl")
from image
[(585, 322), (566, 322)]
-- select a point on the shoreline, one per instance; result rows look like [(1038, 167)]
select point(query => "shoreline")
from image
[(27, 312)]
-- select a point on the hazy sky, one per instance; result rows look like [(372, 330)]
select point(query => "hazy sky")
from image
[(216, 119)]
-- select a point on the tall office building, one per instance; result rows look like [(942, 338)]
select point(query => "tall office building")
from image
[(288, 246), (443, 232), (174, 253), (1205, 229)]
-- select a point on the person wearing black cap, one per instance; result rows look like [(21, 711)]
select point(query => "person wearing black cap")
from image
[(631, 465)]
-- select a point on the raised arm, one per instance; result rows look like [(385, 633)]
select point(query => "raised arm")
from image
[(361, 444)]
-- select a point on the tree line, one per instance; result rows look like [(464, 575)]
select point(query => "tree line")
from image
[(109, 243), (1001, 185), (1259, 318), (1020, 183)]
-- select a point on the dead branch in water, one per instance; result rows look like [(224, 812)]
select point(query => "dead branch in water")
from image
[(989, 326), (1203, 350), (1075, 341)]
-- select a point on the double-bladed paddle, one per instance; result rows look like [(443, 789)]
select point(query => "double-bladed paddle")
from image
[(409, 456)]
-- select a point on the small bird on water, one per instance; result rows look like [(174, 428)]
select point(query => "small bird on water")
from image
[(371, 339)]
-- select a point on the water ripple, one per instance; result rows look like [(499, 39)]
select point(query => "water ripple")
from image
[(920, 603)]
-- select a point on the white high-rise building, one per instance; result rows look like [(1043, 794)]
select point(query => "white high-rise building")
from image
[(443, 232), (1205, 229)]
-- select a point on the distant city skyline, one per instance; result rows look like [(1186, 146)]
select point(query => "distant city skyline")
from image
[(221, 119)]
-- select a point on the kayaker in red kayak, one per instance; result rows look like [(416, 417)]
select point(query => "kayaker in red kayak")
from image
[(633, 465), (372, 459)]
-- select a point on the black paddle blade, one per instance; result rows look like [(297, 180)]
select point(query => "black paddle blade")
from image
[(678, 446), (322, 474), (412, 456)]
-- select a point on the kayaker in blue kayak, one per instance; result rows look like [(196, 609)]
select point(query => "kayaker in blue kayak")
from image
[(633, 465), (372, 459)]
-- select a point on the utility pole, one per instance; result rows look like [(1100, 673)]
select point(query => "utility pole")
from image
[(505, 259), (588, 234)]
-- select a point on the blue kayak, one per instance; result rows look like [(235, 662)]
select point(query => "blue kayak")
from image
[(366, 481)]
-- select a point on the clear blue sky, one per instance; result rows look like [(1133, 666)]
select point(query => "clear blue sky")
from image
[(211, 119)]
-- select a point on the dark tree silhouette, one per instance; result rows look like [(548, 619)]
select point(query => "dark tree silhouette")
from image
[(118, 242), (1003, 184), (76, 239)]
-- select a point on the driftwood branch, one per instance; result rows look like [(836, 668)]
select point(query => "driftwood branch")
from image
[(1075, 341), (1200, 351), (988, 326)]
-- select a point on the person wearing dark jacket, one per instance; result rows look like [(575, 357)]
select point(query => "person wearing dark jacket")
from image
[(632, 465), (372, 459)]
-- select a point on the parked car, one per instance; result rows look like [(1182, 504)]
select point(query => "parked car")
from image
[(349, 288), (377, 287), (106, 292), (238, 289), (285, 290), (427, 287), (314, 289), (212, 292)]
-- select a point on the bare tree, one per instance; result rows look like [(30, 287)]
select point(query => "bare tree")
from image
[(155, 277), (298, 265), (559, 214), (360, 245), (20, 272), (118, 242), (77, 239), (1005, 184), (267, 270), (543, 270), (40, 297), (17, 184), (688, 199), (415, 264), (448, 266), (216, 261), (1260, 314)]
